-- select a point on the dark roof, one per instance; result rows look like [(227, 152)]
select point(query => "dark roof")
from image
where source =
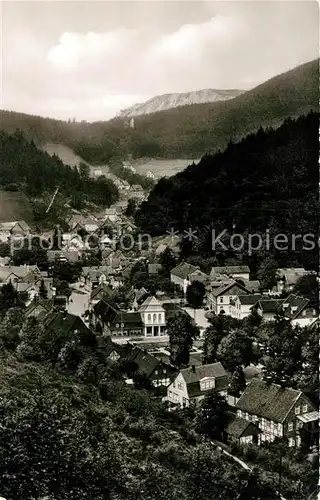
[(295, 306), (237, 426), (224, 288), (106, 311), (183, 270), (128, 320), (270, 401), (270, 305), (214, 370), (145, 361), (64, 321), (251, 299)]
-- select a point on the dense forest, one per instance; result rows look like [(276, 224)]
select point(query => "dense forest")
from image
[(269, 180), (184, 132), (23, 167)]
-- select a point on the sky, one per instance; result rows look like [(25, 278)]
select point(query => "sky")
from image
[(89, 59)]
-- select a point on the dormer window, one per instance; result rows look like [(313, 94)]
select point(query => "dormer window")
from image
[(207, 383)]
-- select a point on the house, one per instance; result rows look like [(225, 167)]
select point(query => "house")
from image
[(268, 308), (235, 272), (221, 299), (153, 316), (158, 372), (39, 308), (80, 222), (111, 214), (288, 277), (99, 293), (15, 274), (295, 308), (198, 275), (180, 275), (298, 310), (243, 304), (278, 412), (112, 321), (15, 229), (193, 383), (240, 431), (65, 255), (95, 275), (126, 185), (253, 286), (68, 323)]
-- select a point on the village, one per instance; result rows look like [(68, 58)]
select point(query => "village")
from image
[(135, 298)]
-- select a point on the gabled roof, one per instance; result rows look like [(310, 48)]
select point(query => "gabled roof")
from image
[(8, 226), (229, 270), (214, 370), (224, 288), (237, 426), (150, 302), (291, 274), (183, 270), (295, 306), (270, 401), (65, 321), (269, 305), (196, 373), (251, 299), (18, 271), (145, 361)]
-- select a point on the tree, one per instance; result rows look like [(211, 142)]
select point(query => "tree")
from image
[(182, 332), (221, 326), (131, 207), (43, 292), (235, 349), (237, 383), (9, 297), (10, 327), (307, 286), (195, 294), (212, 416), (267, 273), (284, 352), (167, 260)]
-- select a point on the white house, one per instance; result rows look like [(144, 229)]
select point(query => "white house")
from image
[(153, 317), (193, 383), (242, 305), (221, 299)]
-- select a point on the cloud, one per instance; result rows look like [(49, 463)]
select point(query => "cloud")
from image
[(90, 63)]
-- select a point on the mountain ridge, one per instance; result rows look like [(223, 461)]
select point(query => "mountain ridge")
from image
[(176, 99)]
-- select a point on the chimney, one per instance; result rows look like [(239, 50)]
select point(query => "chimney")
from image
[(193, 367)]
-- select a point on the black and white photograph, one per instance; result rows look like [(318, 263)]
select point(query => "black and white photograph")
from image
[(159, 250)]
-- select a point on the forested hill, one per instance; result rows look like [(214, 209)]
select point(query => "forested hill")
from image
[(183, 132), (268, 180), (25, 168)]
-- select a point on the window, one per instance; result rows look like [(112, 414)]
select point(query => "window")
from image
[(290, 426), (305, 408), (117, 325), (154, 318), (122, 325), (159, 318), (291, 442), (180, 386), (221, 300), (300, 424), (297, 410), (149, 317)]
